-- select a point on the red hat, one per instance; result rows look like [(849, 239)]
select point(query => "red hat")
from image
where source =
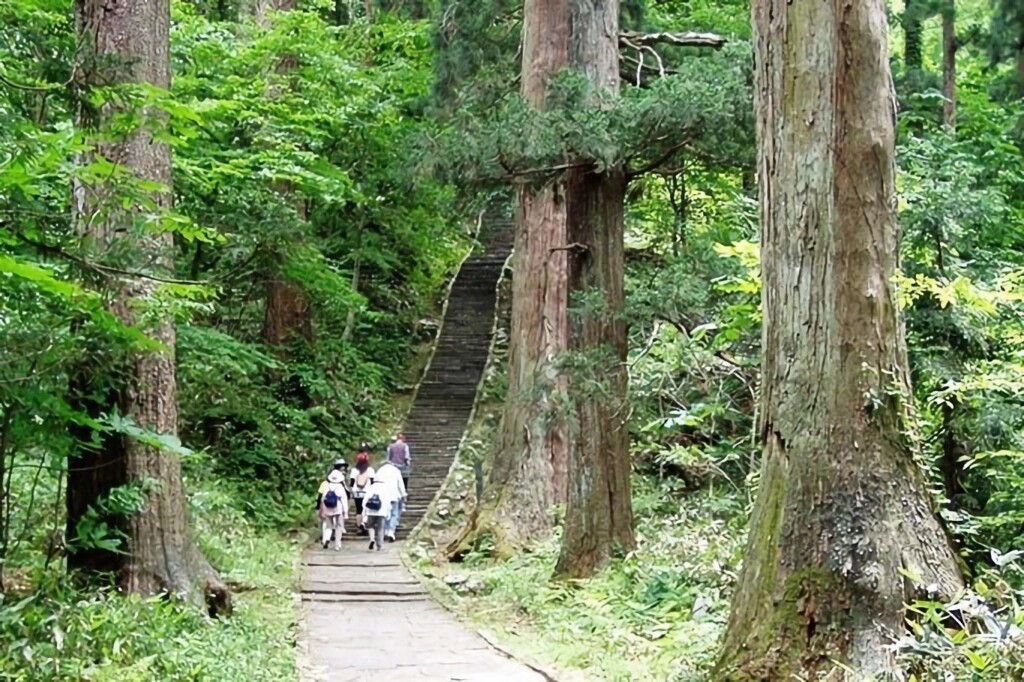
[(362, 458)]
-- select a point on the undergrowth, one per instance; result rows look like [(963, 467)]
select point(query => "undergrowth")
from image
[(52, 630), (654, 615)]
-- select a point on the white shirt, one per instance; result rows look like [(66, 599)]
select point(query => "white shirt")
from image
[(356, 492), (384, 491), (391, 476)]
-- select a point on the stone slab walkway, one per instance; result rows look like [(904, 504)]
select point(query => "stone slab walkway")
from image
[(366, 617)]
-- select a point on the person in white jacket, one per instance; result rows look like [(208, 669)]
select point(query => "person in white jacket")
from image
[(391, 476), (376, 510)]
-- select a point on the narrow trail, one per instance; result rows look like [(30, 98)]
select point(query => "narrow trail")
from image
[(366, 617), (364, 614)]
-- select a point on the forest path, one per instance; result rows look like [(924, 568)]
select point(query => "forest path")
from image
[(366, 617)]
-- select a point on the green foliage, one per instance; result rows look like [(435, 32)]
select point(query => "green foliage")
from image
[(336, 131), (54, 630), (976, 636), (292, 147), (656, 614), (703, 107), (60, 633)]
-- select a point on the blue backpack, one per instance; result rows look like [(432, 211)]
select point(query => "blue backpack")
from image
[(374, 503), (331, 499)]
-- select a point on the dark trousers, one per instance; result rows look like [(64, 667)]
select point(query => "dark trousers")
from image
[(359, 515), (376, 526)]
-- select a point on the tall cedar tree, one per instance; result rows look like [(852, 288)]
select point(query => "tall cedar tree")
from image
[(287, 314), (528, 476), (599, 512), (843, 514), (128, 42)]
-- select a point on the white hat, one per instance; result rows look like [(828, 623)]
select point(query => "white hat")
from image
[(335, 476)]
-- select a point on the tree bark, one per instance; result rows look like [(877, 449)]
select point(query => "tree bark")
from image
[(843, 513), (599, 512), (123, 42), (287, 314), (949, 48), (528, 474)]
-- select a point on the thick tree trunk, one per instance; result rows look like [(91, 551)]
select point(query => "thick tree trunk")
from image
[(287, 315), (949, 48), (843, 514), (129, 42), (528, 475), (599, 511)]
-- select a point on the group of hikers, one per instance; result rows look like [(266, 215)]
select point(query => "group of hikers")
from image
[(379, 495)]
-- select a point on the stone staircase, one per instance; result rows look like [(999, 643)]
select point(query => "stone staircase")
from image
[(444, 400)]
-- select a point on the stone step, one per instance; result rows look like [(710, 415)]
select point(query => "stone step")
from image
[(446, 394)]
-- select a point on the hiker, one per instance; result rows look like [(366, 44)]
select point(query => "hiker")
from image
[(332, 508), (391, 477), (376, 509), (398, 454), (360, 480), (342, 466)]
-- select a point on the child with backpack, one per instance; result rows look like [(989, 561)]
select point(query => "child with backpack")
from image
[(360, 480), (376, 510), (332, 508)]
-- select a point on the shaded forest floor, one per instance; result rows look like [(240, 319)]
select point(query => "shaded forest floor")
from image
[(654, 614), (53, 631)]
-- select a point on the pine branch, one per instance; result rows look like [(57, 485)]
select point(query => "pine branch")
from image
[(656, 163), (681, 39)]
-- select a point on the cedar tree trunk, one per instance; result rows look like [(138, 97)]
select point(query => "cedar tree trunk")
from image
[(528, 476), (125, 41), (287, 313), (843, 513), (599, 511)]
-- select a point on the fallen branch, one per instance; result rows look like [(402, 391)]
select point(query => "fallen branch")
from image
[(682, 39)]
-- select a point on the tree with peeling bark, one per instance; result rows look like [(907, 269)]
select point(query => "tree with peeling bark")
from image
[(843, 532), (124, 43), (528, 476), (599, 516)]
